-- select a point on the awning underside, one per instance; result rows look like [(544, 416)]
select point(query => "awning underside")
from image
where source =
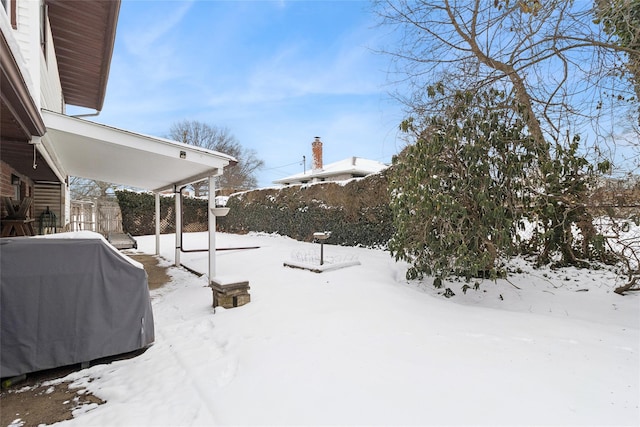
[(94, 151)]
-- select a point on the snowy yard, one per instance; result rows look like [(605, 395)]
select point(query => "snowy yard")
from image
[(361, 346)]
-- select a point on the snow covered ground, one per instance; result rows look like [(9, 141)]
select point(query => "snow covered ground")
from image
[(362, 346)]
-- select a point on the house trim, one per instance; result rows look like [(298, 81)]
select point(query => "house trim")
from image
[(16, 96), (84, 36)]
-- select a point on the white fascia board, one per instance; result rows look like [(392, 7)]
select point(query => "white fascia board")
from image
[(95, 151)]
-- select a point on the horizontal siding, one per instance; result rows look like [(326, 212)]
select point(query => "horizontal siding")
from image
[(48, 195), (51, 89)]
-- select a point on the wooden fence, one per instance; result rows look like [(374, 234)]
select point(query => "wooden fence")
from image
[(102, 216)]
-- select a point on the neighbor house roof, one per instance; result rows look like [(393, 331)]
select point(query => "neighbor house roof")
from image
[(353, 166)]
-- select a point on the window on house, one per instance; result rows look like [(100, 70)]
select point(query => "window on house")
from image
[(9, 7), (15, 184)]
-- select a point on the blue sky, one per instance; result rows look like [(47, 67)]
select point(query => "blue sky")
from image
[(275, 73)]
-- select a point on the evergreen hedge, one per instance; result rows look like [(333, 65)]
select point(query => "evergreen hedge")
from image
[(357, 213), (138, 213)]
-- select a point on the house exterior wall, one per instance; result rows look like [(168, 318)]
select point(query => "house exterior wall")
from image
[(325, 178), (48, 196), (59, 195), (341, 177), (8, 189), (50, 88), (27, 35), (39, 70)]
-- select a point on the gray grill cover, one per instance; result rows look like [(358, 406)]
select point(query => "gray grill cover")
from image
[(68, 301)]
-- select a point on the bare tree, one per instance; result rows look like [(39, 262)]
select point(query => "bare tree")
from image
[(571, 66), (564, 70), (87, 189), (240, 176), (621, 19)]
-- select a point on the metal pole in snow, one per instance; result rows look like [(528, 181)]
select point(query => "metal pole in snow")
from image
[(212, 228), (321, 236), (178, 199), (157, 206)]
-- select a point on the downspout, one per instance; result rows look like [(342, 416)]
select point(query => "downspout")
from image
[(97, 113)]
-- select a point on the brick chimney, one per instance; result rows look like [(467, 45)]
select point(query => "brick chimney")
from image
[(316, 150)]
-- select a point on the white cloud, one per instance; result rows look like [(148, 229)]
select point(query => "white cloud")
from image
[(292, 72), (153, 26)]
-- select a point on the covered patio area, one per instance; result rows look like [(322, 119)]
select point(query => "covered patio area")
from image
[(85, 149)]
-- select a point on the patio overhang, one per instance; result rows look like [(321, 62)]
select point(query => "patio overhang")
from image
[(94, 151)]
